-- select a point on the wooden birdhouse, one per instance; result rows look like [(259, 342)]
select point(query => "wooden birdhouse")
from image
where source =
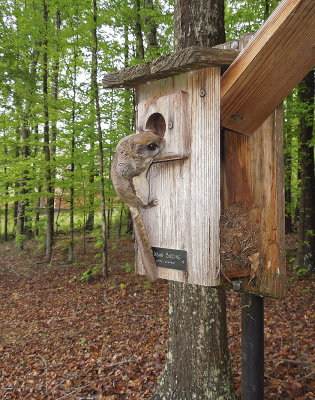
[(220, 177)]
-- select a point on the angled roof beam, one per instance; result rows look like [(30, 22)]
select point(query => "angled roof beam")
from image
[(277, 58)]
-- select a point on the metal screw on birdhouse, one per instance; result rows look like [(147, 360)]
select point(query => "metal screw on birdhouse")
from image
[(237, 285), (170, 125), (236, 117), (202, 93), (136, 107)]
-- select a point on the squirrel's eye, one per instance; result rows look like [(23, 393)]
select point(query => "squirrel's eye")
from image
[(152, 146)]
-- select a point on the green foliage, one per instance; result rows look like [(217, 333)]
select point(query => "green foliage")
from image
[(128, 267), (19, 240), (147, 284), (246, 16), (90, 273), (300, 272)]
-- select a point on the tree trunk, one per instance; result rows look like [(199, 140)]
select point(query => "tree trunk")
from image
[(55, 84), (267, 10), (89, 225), (198, 23), (151, 30), (120, 221), (71, 224), (100, 139), (54, 94), (288, 168), (138, 32), (306, 228), (6, 218), (49, 184), (72, 165), (23, 192), (198, 363), (6, 193)]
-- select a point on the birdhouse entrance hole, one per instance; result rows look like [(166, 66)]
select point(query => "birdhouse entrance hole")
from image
[(156, 123)]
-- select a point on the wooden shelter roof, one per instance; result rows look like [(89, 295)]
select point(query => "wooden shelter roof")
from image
[(185, 60)]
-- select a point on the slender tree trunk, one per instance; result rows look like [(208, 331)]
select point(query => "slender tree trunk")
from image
[(37, 216), (267, 10), (17, 155), (100, 138), (288, 193), (26, 154), (198, 364), (288, 170), (138, 32), (71, 224), (120, 221), (6, 206), (306, 228), (6, 218), (49, 183), (89, 225), (151, 30), (16, 228), (109, 205), (55, 83), (72, 165), (20, 225), (23, 202)]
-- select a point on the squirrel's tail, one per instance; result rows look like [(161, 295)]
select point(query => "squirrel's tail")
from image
[(143, 243)]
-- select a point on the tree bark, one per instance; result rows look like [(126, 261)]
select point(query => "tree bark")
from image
[(288, 168), (151, 30), (49, 184), (100, 138), (198, 23), (72, 164), (138, 33), (198, 363), (306, 228)]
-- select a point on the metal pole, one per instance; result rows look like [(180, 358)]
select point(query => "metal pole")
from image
[(252, 347)]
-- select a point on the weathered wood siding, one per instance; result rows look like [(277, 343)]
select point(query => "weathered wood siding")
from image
[(253, 175), (187, 217)]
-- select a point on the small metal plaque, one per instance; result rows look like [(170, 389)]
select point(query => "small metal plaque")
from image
[(169, 258)]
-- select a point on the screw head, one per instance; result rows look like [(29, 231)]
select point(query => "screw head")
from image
[(202, 93), (170, 125), (237, 285)]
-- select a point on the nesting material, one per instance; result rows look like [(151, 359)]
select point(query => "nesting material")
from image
[(240, 247)]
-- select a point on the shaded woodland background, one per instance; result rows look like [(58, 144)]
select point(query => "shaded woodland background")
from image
[(59, 128), (67, 332)]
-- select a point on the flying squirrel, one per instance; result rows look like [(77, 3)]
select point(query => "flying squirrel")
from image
[(134, 155)]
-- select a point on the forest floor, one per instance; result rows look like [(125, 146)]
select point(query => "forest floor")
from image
[(107, 338)]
